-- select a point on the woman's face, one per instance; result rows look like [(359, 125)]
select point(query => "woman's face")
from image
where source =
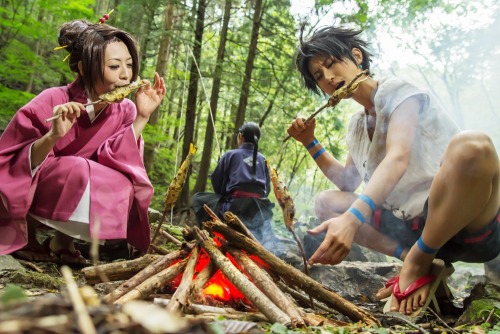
[(117, 68), (331, 73)]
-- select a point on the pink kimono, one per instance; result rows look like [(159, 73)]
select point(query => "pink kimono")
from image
[(104, 152)]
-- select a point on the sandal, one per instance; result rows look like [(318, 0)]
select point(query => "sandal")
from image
[(65, 256), (436, 278)]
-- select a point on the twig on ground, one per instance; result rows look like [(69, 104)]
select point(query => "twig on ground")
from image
[(84, 321)]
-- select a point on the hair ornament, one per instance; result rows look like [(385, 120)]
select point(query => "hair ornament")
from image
[(105, 17)]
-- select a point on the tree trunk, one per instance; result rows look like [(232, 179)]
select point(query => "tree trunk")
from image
[(184, 199), (161, 68), (245, 88), (206, 157)]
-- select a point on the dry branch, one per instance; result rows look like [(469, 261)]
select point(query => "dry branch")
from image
[(147, 287), (293, 275), (152, 269), (235, 222), (302, 299), (180, 296), (239, 280), (266, 285), (170, 237), (118, 270), (201, 279), (84, 321)]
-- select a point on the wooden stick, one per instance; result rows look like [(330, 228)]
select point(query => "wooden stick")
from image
[(180, 296), (241, 281), (266, 285), (302, 299), (171, 238), (152, 269), (84, 322), (118, 270), (147, 287), (207, 309), (233, 221), (157, 249), (293, 275), (201, 279)]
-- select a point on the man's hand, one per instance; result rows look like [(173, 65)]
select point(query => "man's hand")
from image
[(302, 131), (340, 232)]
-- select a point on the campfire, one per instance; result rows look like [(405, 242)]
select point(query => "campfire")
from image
[(225, 267)]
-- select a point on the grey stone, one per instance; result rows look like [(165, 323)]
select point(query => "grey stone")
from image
[(8, 263), (355, 281)]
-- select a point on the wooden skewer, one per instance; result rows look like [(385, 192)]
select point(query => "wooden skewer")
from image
[(59, 115), (334, 98)]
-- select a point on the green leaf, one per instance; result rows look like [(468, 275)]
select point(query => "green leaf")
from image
[(13, 293)]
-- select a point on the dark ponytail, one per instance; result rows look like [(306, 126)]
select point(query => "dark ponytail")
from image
[(251, 134)]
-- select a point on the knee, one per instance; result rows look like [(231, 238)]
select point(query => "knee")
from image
[(473, 153)]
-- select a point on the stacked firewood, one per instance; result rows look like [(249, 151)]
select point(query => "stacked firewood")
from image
[(278, 292)]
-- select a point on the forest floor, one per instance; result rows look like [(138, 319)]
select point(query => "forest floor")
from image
[(35, 298)]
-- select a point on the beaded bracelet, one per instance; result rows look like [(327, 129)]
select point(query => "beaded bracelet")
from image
[(320, 152), (312, 144), (424, 248), (398, 252), (368, 201), (358, 214)]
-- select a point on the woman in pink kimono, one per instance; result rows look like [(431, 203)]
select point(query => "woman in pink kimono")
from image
[(81, 173)]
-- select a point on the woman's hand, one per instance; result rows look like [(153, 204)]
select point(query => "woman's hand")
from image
[(302, 131), (340, 233), (69, 112), (148, 98)]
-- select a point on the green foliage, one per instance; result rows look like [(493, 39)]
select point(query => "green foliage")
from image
[(10, 101), (13, 294)]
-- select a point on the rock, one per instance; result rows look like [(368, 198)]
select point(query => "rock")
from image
[(8, 263), (355, 281), (492, 270)]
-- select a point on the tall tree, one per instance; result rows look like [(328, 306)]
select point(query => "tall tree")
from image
[(161, 68), (192, 94), (245, 87), (201, 181)]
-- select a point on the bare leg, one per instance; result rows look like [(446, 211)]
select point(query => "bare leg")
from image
[(64, 247), (464, 195)]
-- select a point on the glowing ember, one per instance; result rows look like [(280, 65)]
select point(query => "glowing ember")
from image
[(215, 290)]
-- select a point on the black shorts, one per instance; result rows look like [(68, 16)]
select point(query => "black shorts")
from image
[(477, 247)]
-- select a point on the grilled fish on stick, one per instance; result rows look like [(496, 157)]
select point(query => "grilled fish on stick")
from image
[(117, 94)]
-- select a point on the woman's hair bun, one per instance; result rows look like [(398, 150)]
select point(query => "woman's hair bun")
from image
[(70, 31)]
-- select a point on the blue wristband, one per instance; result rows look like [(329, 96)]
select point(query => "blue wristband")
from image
[(398, 252), (358, 214), (368, 201), (424, 248), (312, 144), (320, 152)]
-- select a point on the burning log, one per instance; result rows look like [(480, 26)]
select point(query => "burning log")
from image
[(293, 275), (257, 298), (181, 294), (118, 270), (266, 285), (202, 278), (151, 269), (147, 287)]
